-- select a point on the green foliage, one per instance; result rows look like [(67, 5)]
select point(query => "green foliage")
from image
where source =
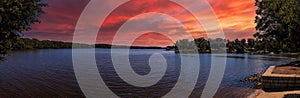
[(251, 43), (27, 44), (185, 44), (15, 17), (278, 21), (202, 44), (45, 44), (236, 46), (217, 45)]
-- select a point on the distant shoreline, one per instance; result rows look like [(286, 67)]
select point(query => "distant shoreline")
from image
[(286, 54)]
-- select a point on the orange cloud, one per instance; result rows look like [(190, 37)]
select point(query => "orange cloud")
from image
[(236, 18), (125, 12), (152, 39), (236, 14)]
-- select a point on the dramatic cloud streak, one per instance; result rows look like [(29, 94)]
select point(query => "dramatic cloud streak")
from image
[(236, 18)]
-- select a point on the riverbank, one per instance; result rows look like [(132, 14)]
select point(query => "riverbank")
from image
[(279, 72), (262, 94), (285, 54)]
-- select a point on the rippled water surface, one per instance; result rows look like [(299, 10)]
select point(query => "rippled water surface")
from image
[(49, 73)]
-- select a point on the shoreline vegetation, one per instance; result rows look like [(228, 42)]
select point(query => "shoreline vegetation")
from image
[(33, 44), (201, 45), (249, 46), (28, 44)]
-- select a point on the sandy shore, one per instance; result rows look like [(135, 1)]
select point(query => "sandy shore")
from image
[(262, 94)]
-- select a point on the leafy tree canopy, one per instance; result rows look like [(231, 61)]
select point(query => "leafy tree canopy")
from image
[(15, 17), (279, 20)]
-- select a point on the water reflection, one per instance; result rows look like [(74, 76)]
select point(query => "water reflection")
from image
[(49, 73)]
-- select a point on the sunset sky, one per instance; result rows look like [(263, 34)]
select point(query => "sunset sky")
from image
[(59, 21)]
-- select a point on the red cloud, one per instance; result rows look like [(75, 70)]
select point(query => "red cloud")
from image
[(236, 14), (236, 17), (153, 39), (125, 12)]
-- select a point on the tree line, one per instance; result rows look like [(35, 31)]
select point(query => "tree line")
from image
[(33, 43), (236, 46)]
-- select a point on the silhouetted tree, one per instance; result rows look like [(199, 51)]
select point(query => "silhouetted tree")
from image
[(251, 43), (238, 46)]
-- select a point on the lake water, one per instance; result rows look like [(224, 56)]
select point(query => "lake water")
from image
[(49, 73)]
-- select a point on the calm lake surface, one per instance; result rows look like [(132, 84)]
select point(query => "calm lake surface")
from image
[(49, 73)]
